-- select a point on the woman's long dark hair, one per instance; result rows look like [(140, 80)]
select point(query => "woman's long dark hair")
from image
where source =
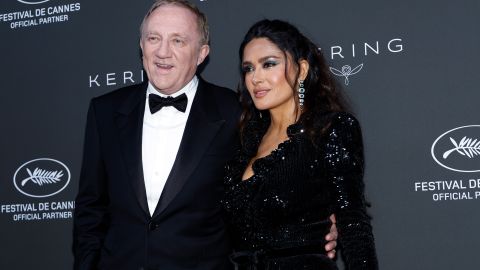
[(322, 96)]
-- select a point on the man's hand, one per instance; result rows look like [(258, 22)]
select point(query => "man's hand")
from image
[(331, 237)]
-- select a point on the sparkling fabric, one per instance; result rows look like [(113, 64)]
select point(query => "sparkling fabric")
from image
[(278, 218)]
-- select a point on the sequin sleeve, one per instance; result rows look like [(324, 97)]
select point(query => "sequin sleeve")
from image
[(344, 164)]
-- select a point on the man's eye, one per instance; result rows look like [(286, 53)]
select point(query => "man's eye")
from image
[(152, 38), (178, 41)]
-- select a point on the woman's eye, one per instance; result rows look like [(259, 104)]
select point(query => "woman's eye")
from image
[(247, 69), (269, 64)]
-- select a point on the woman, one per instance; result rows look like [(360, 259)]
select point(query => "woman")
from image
[(301, 160)]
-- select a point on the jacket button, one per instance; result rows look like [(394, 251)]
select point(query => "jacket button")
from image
[(152, 225)]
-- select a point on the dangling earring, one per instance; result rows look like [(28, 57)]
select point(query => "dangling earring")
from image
[(301, 93)]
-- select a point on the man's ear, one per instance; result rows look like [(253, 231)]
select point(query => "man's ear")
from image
[(141, 46), (204, 51)]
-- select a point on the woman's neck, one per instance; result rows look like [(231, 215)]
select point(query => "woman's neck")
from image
[(281, 119)]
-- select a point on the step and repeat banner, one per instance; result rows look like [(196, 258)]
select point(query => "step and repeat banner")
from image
[(410, 69)]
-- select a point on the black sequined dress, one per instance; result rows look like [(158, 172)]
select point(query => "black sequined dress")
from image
[(279, 217)]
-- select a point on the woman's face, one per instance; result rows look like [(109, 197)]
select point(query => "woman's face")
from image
[(265, 67)]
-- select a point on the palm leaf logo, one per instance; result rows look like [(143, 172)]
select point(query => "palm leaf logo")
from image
[(41, 177), (346, 71), (33, 2), (466, 147)]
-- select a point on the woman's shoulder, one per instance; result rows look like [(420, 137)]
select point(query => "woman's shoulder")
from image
[(337, 126), (345, 119)]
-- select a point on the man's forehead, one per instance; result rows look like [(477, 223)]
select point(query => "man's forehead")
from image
[(171, 17), (169, 12)]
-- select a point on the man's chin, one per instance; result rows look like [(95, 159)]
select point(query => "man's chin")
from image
[(164, 87)]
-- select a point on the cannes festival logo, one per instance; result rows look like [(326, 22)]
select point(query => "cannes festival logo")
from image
[(41, 177), (346, 71), (458, 149), (32, 2)]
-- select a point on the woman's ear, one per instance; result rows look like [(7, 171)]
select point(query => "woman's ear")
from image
[(303, 66)]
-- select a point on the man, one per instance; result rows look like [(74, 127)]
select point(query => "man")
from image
[(154, 153)]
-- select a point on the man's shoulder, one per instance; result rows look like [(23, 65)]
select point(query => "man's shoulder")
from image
[(123, 93), (218, 92)]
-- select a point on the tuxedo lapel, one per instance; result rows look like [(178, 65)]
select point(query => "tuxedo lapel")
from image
[(202, 125), (129, 120)]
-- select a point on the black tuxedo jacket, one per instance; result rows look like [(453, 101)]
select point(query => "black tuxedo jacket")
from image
[(112, 225)]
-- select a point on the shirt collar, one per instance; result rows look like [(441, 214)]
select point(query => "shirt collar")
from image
[(189, 89)]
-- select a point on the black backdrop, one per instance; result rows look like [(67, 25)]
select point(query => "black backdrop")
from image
[(412, 70)]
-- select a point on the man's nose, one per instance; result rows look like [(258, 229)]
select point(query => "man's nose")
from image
[(163, 50)]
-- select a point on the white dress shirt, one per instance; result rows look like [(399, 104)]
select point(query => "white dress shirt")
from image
[(162, 134)]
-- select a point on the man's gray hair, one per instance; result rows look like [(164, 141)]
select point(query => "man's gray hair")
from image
[(201, 18)]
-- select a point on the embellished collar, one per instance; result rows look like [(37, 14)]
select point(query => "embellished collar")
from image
[(256, 128)]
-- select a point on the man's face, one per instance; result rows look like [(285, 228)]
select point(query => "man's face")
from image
[(171, 48)]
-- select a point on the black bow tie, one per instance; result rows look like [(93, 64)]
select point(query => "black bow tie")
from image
[(157, 102)]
